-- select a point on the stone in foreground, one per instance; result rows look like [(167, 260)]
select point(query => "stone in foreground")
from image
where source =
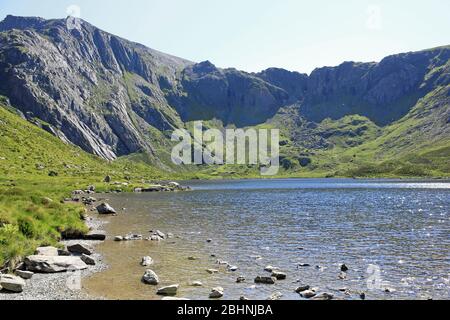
[(80, 248), (12, 283), (265, 280), (98, 235), (46, 251), (147, 261), (105, 208), (150, 277), (24, 274), (308, 294), (47, 264), (216, 293), (279, 275), (88, 260), (169, 290)]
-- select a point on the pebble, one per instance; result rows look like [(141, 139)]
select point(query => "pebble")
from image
[(216, 293)]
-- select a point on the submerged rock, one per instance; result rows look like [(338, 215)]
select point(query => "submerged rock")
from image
[(324, 296), (240, 279), (196, 284), (212, 271)]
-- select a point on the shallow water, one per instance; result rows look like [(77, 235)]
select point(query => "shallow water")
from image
[(401, 227)]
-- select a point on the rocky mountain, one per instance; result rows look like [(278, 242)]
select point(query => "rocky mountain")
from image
[(113, 97)]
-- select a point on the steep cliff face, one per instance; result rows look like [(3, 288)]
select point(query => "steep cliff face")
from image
[(113, 97), (78, 81)]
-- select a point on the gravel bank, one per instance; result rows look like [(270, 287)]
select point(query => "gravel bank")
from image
[(61, 286)]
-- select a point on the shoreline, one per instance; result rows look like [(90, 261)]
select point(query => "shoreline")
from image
[(56, 286)]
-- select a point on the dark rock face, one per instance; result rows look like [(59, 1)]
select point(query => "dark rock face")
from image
[(106, 94)]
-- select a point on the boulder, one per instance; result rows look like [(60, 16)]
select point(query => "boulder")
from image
[(147, 261), (96, 235), (265, 280), (24, 274), (46, 251), (12, 283), (150, 277), (344, 268), (308, 294), (270, 269), (80, 248), (302, 288), (88, 260), (216, 293), (279, 275), (118, 238), (169, 290), (53, 264), (107, 179), (105, 208), (232, 268)]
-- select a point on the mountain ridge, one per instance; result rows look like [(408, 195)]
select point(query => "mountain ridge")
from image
[(113, 97)]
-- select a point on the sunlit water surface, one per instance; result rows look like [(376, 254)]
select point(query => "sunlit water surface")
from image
[(401, 227)]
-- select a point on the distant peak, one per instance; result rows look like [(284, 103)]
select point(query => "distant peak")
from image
[(18, 22)]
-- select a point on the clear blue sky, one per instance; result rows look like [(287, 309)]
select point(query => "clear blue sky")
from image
[(252, 35)]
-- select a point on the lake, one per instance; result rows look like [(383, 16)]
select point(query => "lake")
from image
[(390, 234)]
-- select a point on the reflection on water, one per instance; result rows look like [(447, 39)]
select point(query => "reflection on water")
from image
[(402, 227)]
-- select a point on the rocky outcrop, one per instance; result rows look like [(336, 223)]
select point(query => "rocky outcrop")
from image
[(113, 97), (51, 264)]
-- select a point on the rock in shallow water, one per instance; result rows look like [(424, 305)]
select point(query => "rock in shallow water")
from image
[(12, 283), (308, 294), (96, 235), (265, 280), (88, 260), (169, 290), (216, 293), (279, 275), (50, 264), (80, 248), (150, 277), (147, 261), (105, 208)]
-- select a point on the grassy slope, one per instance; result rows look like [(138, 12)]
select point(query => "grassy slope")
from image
[(27, 155)]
